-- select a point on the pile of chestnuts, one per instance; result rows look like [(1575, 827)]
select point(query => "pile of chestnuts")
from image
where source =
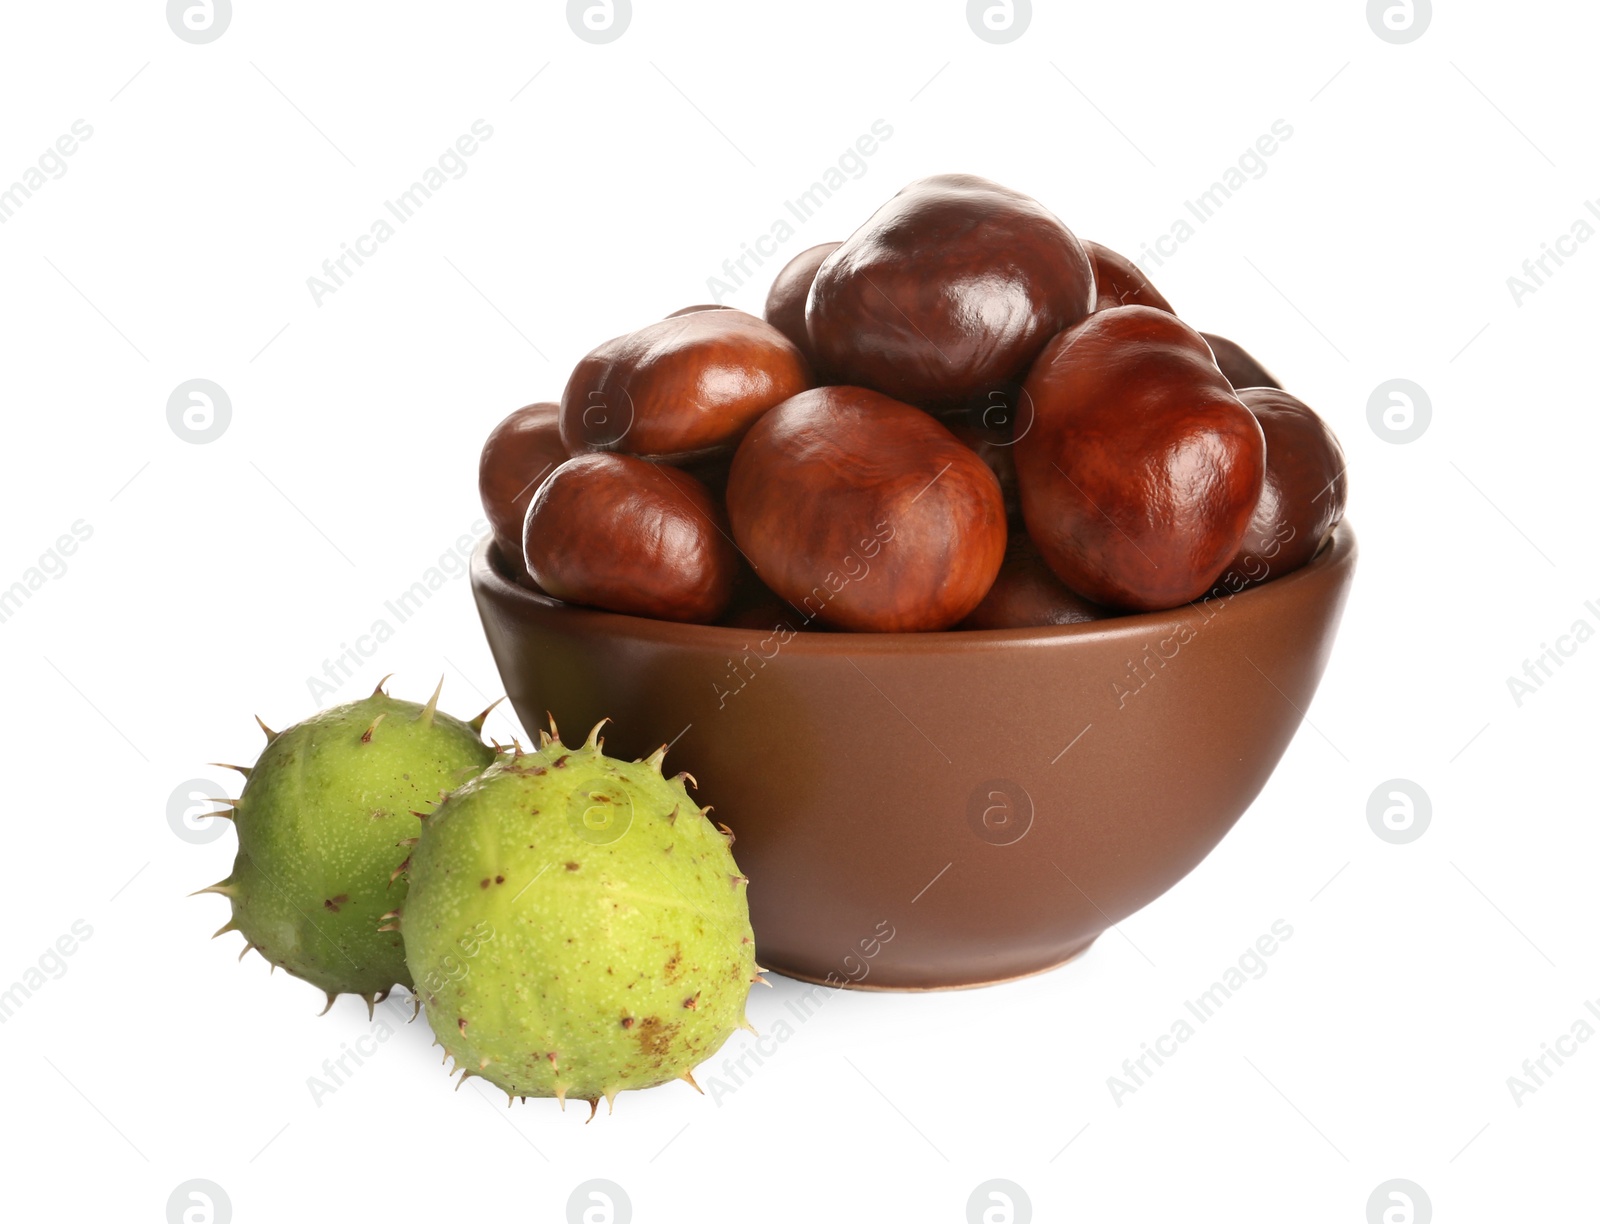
[(961, 417)]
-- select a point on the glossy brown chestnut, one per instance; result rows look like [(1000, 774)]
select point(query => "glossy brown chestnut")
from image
[(786, 300), (683, 388), (866, 513), (695, 310), (626, 535), (1242, 370), (1121, 282), (1026, 595), (948, 292), (520, 452), (1302, 499), (1142, 468)]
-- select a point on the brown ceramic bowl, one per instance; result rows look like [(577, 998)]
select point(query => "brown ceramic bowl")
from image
[(925, 811)]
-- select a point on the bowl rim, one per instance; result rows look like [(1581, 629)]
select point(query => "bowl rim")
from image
[(1336, 554)]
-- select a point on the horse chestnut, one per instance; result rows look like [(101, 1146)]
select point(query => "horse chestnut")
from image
[(786, 300), (1142, 468), (1302, 498), (1120, 282), (626, 535), (1242, 370), (948, 292), (684, 388), (866, 513), (1028, 595), (520, 452), (696, 310)]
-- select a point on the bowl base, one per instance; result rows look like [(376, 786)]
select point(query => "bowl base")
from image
[(868, 986)]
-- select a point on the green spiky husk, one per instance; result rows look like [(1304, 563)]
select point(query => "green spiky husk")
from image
[(556, 957), (321, 824)]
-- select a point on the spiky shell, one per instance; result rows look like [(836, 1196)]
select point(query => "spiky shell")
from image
[(576, 926), (321, 823)]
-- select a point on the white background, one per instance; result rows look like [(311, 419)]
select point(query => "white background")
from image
[(220, 577)]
